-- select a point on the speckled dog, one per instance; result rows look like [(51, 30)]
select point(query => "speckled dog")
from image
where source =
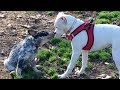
[(24, 53)]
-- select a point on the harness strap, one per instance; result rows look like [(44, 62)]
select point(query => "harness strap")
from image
[(90, 40), (88, 27)]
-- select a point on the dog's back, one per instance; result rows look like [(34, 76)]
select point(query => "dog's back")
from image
[(105, 34), (24, 53)]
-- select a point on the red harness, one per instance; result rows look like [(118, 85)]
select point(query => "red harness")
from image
[(88, 27)]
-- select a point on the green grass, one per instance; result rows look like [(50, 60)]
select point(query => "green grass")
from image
[(44, 54), (28, 74), (101, 55), (107, 17), (55, 76), (102, 21), (51, 71), (52, 59), (110, 66), (90, 66), (50, 13), (55, 41)]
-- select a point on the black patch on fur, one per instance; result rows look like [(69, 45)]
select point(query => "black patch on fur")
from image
[(41, 34)]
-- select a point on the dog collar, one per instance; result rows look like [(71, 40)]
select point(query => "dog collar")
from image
[(88, 27), (72, 26)]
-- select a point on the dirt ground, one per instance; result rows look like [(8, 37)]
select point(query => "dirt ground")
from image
[(13, 27)]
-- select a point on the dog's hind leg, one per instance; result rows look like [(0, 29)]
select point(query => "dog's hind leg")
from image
[(18, 69), (84, 63), (116, 58)]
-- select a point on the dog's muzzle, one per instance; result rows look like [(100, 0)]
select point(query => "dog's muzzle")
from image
[(51, 35)]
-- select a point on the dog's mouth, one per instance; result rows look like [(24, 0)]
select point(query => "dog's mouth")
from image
[(51, 35)]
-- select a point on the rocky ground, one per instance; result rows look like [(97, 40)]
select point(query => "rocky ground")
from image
[(14, 25)]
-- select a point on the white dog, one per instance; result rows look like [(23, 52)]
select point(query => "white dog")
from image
[(104, 35)]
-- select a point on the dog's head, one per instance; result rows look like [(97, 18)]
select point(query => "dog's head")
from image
[(62, 23), (40, 37)]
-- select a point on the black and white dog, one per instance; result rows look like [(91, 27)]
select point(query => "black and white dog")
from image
[(24, 53)]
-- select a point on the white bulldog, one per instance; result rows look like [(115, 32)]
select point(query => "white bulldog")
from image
[(104, 35)]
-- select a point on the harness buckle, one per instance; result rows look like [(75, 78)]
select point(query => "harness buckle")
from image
[(72, 35)]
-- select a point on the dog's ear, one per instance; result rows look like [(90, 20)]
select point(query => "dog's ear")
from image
[(32, 32), (64, 20)]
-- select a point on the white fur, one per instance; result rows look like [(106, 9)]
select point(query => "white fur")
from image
[(104, 36)]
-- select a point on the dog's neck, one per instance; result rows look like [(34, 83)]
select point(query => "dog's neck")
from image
[(78, 23)]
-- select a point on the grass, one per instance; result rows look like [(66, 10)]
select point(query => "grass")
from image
[(108, 17), (51, 71), (102, 21), (44, 54), (110, 66), (50, 13)]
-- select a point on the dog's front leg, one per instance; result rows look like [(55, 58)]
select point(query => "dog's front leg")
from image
[(75, 56), (84, 62)]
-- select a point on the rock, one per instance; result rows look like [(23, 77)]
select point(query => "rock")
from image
[(23, 35), (2, 59), (51, 21), (2, 33), (13, 33), (33, 17), (107, 63), (100, 76), (2, 16), (26, 26), (38, 15), (3, 52), (9, 25), (19, 16), (104, 76), (34, 27), (107, 77)]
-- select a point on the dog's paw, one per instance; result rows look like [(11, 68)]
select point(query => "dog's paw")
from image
[(78, 73), (61, 76)]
